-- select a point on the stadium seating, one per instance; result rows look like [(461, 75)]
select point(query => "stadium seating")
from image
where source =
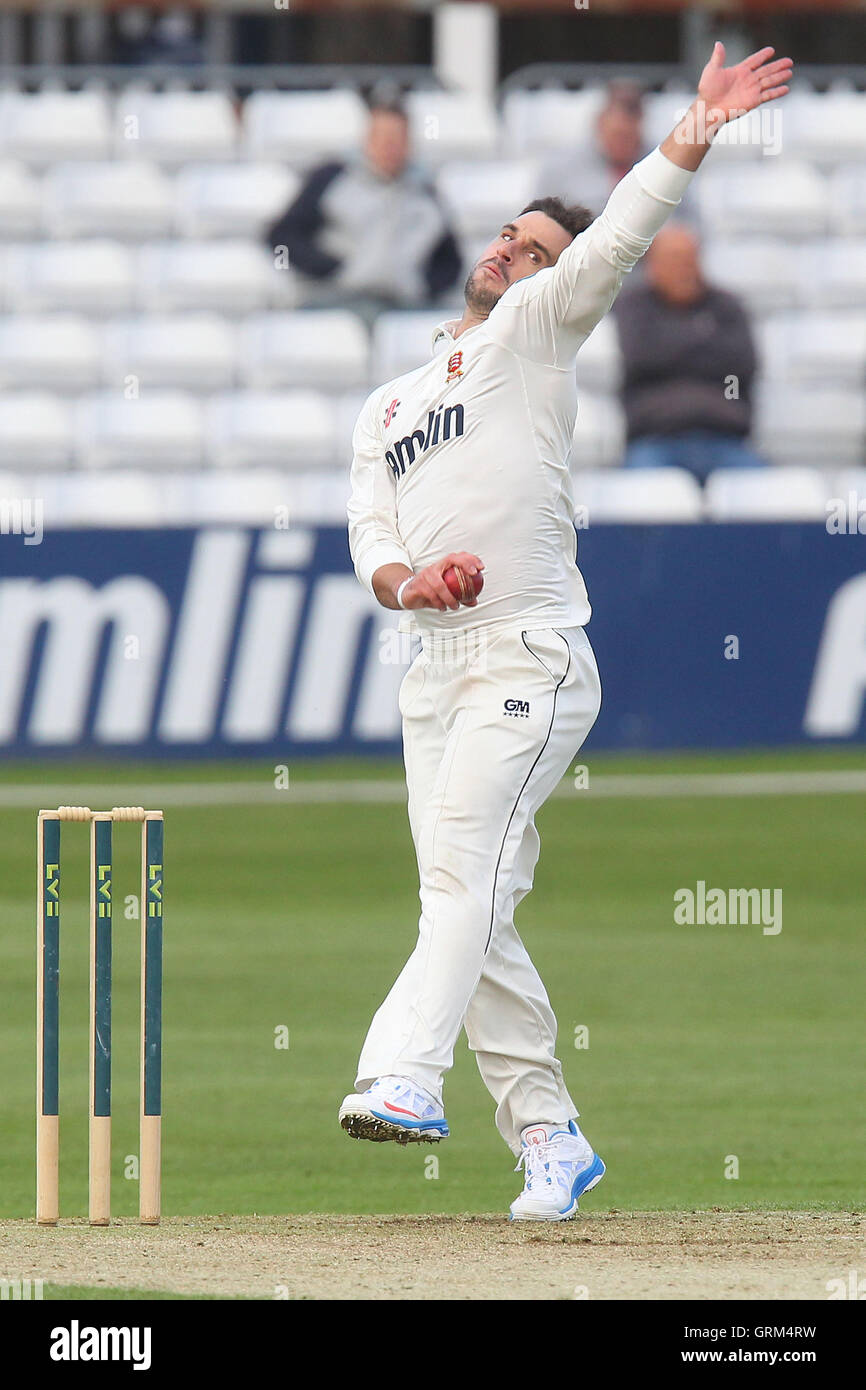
[(817, 348), (848, 199), (328, 349), (194, 351), (35, 430), (145, 326), (61, 349), (93, 276), (124, 498), (19, 199), (233, 276), (174, 127), (549, 121), (825, 129), (774, 197), (108, 199), (231, 200), (451, 125), (822, 426), (638, 495), (834, 274), (302, 127), (764, 271), (772, 494), (285, 428), (158, 429), (49, 126)]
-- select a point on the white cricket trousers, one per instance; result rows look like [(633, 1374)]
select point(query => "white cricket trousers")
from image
[(490, 725)]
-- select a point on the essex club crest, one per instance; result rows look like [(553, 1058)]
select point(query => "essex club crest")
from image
[(455, 366)]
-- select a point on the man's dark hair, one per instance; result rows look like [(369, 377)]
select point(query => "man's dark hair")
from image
[(573, 219), (386, 96)]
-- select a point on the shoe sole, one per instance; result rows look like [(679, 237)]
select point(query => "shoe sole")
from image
[(359, 1125), (572, 1211)]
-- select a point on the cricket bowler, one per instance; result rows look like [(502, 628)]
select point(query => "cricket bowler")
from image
[(461, 514)]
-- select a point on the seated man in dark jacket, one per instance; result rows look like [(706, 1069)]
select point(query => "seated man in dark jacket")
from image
[(689, 362), (369, 231)]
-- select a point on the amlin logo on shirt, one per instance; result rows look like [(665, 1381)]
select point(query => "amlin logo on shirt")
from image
[(442, 424)]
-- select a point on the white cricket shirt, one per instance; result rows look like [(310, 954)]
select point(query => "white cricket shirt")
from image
[(471, 451)]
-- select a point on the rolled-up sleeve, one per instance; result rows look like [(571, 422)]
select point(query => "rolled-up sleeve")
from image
[(549, 315), (374, 538)]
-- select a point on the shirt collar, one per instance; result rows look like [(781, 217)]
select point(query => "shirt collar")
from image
[(443, 334)]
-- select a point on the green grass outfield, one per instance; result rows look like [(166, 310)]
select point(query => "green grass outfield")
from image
[(704, 1041)]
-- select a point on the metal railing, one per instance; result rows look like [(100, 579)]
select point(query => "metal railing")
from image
[(226, 76), (817, 76)]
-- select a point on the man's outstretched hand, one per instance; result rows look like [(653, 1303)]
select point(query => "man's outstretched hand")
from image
[(723, 95), (731, 92)]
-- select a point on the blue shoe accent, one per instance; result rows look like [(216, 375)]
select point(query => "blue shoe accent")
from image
[(586, 1180)]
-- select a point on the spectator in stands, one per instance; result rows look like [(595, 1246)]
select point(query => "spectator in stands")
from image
[(689, 363), (143, 36), (370, 232), (619, 143)]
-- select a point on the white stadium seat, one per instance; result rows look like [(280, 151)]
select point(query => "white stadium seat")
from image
[(766, 494), (55, 351), (848, 200), (302, 127), (285, 428), (159, 429), (826, 127), (833, 274), (451, 125), (852, 480), (232, 276), (126, 498), (328, 348), (35, 431), (820, 348), (820, 426), (16, 486), (108, 199), (172, 127), (20, 204), (599, 362), (403, 341), (232, 199), (252, 497), (772, 197), (189, 351), (45, 126), (640, 496), (93, 276), (318, 499), (599, 433), (544, 122), (763, 271), (481, 195)]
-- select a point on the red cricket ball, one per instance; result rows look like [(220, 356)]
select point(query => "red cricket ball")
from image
[(464, 586)]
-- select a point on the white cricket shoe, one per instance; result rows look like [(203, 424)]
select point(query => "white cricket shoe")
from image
[(559, 1165), (394, 1108)]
